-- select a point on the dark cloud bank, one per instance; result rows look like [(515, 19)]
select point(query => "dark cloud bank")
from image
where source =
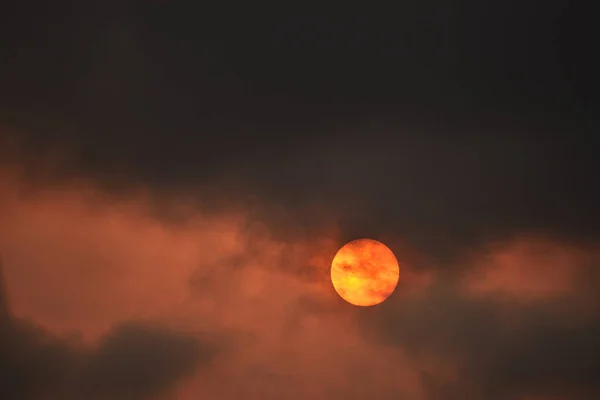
[(133, 361), (503, 349)]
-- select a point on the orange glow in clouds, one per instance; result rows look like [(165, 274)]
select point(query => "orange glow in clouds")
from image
[(364, 272)]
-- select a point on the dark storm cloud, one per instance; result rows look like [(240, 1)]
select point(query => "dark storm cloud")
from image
[(442, 192), (436, 192), (134, 361), (170, 95), (33, 364), (499, 349), (413, 133)]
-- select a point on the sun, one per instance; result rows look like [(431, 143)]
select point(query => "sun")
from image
[(364, 272)]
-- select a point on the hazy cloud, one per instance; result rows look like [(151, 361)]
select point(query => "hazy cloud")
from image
[(134, 361), (510, 319), (174, 185)]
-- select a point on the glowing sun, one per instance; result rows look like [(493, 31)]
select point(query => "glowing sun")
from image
[(364, 272)]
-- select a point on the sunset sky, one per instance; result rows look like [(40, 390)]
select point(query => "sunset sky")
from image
[(176, 178)]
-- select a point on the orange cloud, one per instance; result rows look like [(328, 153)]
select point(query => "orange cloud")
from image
[(75, 262), (529, 269), (78, 260)]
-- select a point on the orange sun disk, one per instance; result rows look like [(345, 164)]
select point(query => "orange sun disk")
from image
[(364, 272)]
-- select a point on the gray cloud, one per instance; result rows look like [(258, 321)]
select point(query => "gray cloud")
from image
[(33, 364), (499, 349), (136, 361), (133, 361)]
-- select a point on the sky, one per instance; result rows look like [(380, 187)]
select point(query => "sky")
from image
[(176, 178)]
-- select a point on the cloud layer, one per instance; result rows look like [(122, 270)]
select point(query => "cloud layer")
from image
[(133, 361), (175, 183), (244, 311)]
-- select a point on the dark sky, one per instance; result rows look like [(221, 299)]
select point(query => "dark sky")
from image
[(444, 128)]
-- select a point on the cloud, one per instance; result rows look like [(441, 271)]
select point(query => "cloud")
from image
[(33, 363), (503, 340), (152, 175), (132, 361), (136, 361), (215, 272), (531, 268), (509, 319)]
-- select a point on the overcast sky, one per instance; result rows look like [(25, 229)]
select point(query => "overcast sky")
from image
[(175, 179)]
